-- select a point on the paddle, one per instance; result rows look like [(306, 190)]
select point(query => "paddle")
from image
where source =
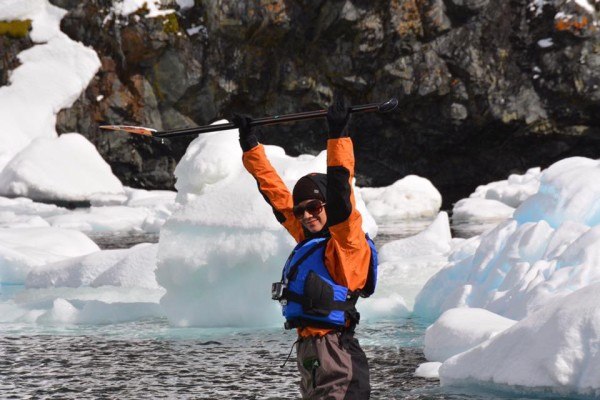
[(384, 107)]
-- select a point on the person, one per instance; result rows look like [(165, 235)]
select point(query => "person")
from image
[(333, 264)]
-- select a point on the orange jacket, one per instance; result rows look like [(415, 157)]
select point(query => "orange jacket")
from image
[(347, 255)]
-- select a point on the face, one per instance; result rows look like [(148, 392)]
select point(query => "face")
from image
[(313, 223)]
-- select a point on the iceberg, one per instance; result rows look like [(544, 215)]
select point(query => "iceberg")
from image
[(25, 249), (409, 197), (495, 202), (102, 287), (429, 370), (404, 266), (133, 211), (128, 268), (540, 268), (553, 349), (460, 329), (67, 168), (69, 312), (512, 191), (546, 250)]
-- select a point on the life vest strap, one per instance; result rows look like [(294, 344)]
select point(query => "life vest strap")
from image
[(329, 305), (353, 320)]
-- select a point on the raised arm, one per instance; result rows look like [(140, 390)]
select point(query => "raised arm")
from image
[(348, 254), (270, 185)]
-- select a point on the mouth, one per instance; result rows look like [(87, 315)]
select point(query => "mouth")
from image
[(311, 223)]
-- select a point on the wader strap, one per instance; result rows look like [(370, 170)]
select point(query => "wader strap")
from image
[(290, 353)]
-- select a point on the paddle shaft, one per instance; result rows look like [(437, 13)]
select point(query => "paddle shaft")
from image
[(277, 119)]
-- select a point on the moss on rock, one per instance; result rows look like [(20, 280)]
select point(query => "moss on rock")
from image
[(170, 23), (15, 28)]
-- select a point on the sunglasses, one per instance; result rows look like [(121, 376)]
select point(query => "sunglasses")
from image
[(313, 207)]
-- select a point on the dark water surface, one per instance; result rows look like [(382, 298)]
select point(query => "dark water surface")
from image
[(221, 365), (150, 360)]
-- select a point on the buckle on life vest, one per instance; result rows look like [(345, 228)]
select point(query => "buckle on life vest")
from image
[(277, 290)]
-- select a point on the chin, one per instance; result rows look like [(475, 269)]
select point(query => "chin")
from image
[(314, 229)]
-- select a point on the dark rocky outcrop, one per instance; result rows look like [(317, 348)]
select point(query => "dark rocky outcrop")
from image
[(487, 87)]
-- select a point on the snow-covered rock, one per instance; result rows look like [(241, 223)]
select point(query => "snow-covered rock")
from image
[(51, 76)]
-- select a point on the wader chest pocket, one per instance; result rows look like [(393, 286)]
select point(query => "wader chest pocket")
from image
[(319, 293)]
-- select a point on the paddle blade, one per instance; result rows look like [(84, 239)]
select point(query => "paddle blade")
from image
[(138, 130)]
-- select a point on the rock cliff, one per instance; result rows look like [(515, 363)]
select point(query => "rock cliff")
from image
[(486, 87)]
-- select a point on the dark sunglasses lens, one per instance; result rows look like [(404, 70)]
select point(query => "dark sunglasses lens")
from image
[(313, 208), (298, 212)]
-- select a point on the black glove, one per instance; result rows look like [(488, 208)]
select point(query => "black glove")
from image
[(338, 116), (248, 136)]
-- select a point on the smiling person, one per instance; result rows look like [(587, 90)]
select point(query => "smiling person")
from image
[(333, 264)]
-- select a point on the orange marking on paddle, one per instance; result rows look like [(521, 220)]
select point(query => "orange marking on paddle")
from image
[(138, 130)]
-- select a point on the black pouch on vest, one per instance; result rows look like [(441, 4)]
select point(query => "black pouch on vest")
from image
[(319, 293)]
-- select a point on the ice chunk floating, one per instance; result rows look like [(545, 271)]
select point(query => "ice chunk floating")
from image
[(66, 168), (548, 249), (555, 348), (540, 268)]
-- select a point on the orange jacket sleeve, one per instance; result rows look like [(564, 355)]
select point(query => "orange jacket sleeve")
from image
[(273, 190), (348, 254)]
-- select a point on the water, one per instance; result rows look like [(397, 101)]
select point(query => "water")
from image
[(122, 240), (395, 230), (150, 359)]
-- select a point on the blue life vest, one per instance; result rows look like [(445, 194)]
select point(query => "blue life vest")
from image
[(310, 297)]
